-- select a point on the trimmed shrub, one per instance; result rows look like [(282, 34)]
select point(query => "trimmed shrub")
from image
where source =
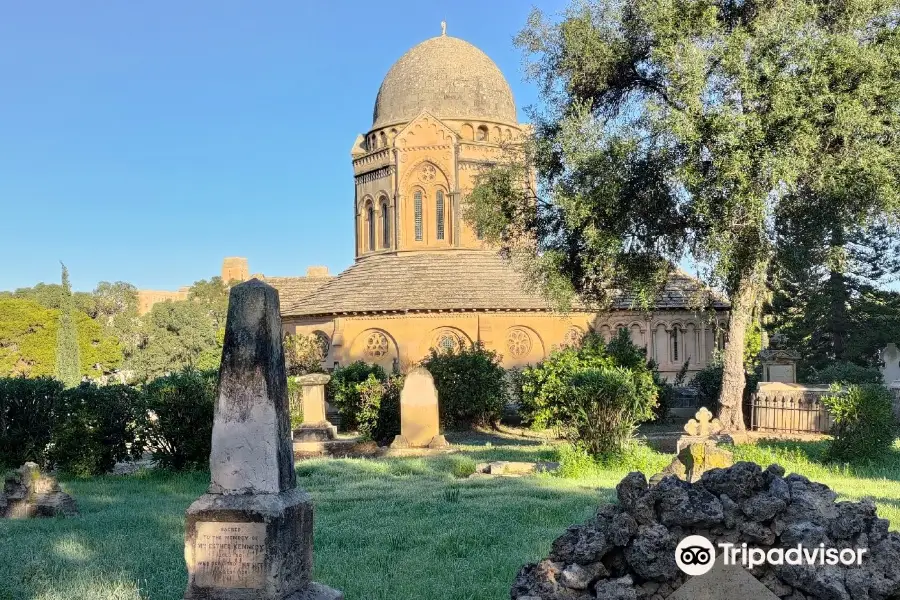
[(342, 391), (846, 373), (864, 426), (379, 415), (26, 419), (545, 385), (180, 425), (603, 406), (95, 427), (471, 384)]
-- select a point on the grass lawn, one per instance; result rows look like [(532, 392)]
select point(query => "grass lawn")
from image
[(391, 529)]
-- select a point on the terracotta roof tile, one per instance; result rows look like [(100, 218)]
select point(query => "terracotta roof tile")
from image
[(292, 290), (451, 280)]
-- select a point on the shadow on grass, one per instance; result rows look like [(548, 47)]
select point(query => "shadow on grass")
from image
[(815, 452), (399, 528), (481, 438)]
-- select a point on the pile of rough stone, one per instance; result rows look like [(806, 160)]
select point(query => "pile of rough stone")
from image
[(27, 492), (627, 551)]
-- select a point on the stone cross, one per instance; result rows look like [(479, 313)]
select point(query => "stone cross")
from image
[(703, 424), (419, 415), (250, 536)]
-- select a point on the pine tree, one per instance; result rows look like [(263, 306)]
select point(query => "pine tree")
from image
[(68, 363)]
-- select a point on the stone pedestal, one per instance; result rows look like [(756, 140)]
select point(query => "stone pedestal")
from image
[(250, 537), (315, 426), (419, 415)]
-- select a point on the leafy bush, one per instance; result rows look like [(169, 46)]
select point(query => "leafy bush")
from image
[(545, 385), (303, 354), (603, 406), (379, 415), (295, 402), (95, 427), (846, 373), (864, 425), (180, 427), (342, 391), (26, 419), (471, 385)]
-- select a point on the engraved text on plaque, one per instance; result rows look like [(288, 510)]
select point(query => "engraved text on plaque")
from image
[(230, 555)]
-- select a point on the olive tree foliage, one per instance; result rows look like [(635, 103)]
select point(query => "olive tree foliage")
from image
[(674, 128)]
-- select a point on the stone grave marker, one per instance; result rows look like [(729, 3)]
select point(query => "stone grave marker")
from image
[(419, 415), (315, 426), (250, 536)]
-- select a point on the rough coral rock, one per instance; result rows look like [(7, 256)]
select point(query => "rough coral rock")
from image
[(626, 551)]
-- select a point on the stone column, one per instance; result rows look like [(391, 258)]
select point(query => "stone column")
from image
[(315, 427), (250, 537)]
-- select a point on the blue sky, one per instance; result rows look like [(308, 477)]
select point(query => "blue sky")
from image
[(145, 141)]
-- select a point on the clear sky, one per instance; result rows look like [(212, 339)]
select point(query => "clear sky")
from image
[(145, 141)]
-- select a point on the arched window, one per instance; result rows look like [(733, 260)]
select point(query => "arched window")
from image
[(370, 213), (383, 139), (482, 134), (385, 224), (439, 213), (675, 344), (417, 210)]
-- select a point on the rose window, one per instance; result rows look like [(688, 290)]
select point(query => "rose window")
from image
[(447, 342), (518, 342), (428, 173), (376, 345)]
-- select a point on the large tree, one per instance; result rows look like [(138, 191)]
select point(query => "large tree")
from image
[(176, 335), (681, 127), (829, 295)]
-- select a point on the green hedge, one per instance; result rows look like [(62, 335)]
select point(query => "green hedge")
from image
[(343, 392), (94, 427), (472, 386), (26, 419), (864, 426), (180, 424)]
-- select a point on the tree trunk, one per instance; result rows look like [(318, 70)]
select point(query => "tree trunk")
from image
[(731, 409)]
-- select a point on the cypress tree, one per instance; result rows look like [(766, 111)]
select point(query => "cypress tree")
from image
[(68, 362)]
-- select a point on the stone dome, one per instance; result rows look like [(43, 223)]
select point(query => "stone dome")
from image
[(449, 77)]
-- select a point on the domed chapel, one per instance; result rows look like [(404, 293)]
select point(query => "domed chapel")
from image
[(422, 278)]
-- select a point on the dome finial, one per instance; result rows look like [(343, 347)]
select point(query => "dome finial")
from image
[(443, 27)]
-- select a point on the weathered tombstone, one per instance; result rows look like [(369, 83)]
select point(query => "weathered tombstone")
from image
[(250, 536), (890, 356), (701, 429), (778, 363), (315, 426), (26, 492), (419, 415)]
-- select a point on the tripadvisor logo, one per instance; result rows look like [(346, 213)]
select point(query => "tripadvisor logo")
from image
[(696, 555)]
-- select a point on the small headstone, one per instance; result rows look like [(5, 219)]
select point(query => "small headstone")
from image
[(250, 536), (315, 426), (26, 493), (694, 460), (419, 415)]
